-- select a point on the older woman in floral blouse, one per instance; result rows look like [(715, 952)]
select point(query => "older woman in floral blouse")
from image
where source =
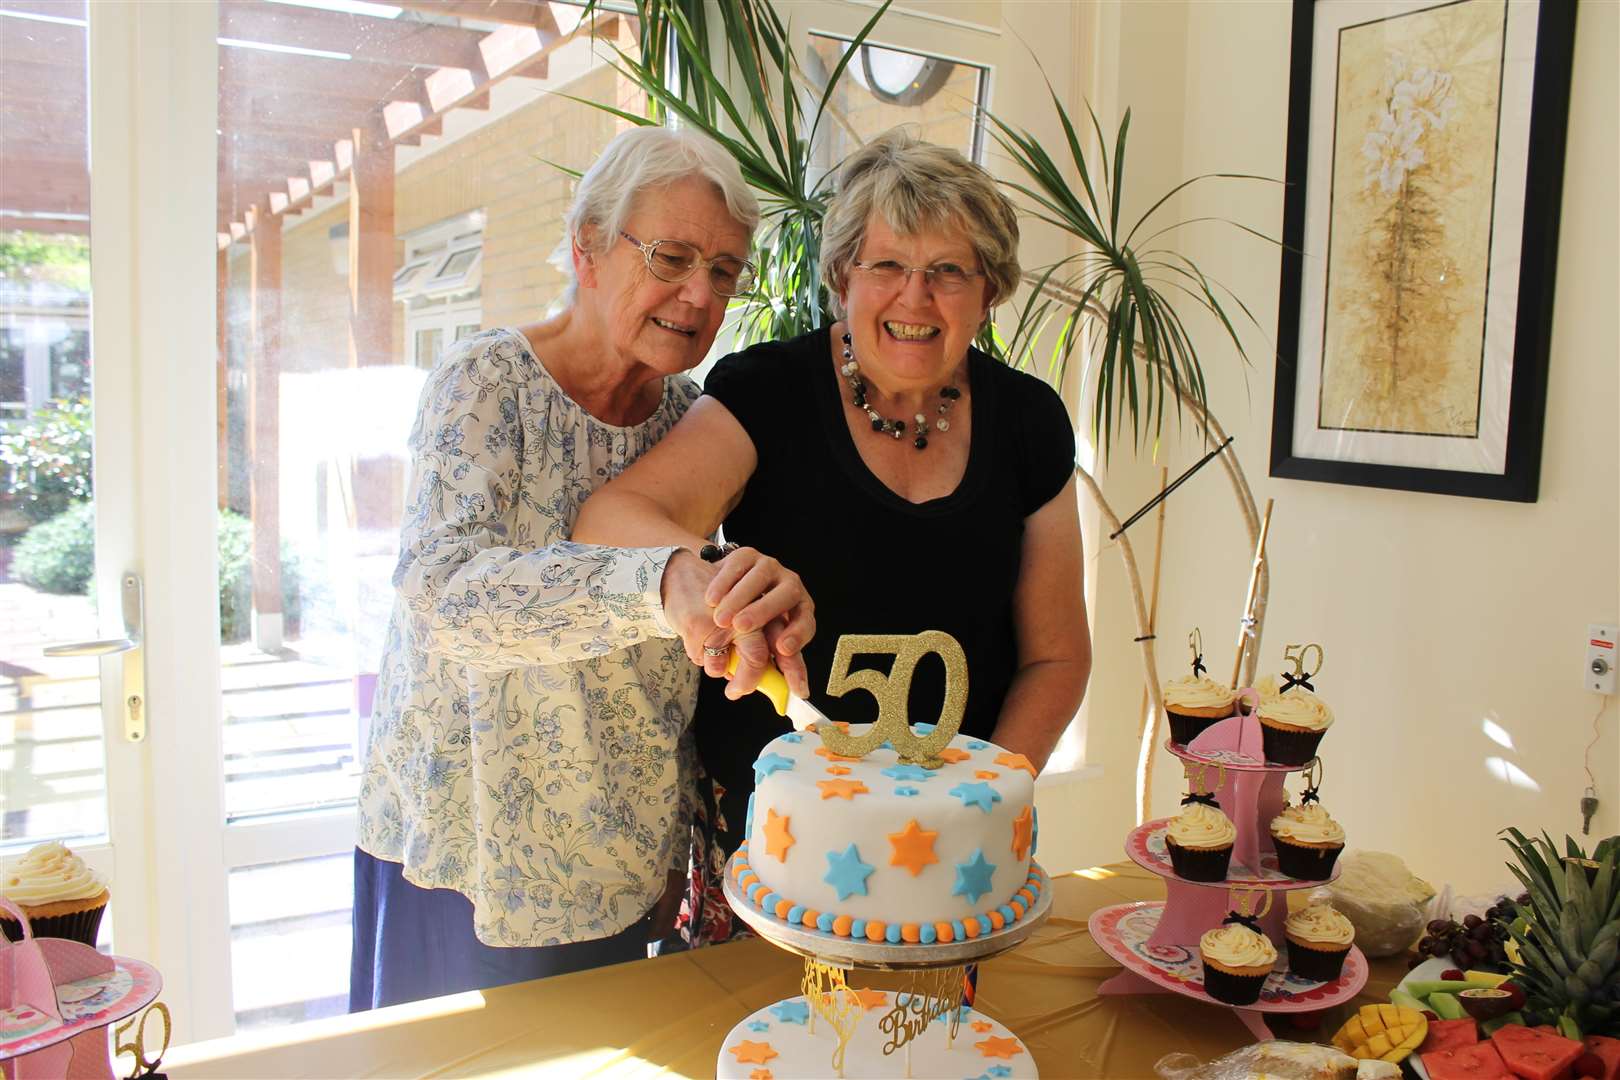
[(527, 793)]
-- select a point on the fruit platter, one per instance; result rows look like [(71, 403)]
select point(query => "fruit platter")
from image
[(1528, 990)]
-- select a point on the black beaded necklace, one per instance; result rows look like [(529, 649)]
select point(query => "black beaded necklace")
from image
[(851, 370)]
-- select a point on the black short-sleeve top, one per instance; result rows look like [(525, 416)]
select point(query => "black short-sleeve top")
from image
[(873, 562)]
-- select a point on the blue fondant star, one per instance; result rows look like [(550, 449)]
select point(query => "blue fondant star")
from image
[(972, 877), (793, 737), (906, 791), (748, 825), (846, 872), (769, 763), (885, 745), (977, 745), (923, 729), (1034, 831), (792, 1012), (907, 772), (999, 1070), (978, 794), (758, 1025)]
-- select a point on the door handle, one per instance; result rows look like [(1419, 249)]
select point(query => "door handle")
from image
[(134, 657)]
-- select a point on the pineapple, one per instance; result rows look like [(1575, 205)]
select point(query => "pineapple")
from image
[(1568, 935)]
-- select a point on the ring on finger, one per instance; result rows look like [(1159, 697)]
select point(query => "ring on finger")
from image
[(710, 650)]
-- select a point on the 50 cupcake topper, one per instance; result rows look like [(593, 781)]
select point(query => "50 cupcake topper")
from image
[(1303, 673), (1195, 642), (1197, 778)]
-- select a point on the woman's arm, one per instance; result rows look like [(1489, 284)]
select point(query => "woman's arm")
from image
[(477, 592), (1054, 641), (678, 493)]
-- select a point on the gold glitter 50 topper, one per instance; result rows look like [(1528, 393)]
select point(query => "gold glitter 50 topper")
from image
[(893, 725)]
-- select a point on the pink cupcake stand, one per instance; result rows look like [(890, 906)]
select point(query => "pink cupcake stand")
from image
[(57, 998), (1157, 942)]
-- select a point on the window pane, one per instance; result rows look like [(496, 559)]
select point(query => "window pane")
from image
[(52, 766), (428, 344), (884, 87), (458, 263), (290, 939)]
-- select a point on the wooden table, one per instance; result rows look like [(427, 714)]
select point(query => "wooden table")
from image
[(669, 1015)]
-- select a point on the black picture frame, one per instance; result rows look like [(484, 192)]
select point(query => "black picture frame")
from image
[(1543, 194)]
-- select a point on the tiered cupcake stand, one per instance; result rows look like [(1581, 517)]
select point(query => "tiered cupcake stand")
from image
[(1157, 941)]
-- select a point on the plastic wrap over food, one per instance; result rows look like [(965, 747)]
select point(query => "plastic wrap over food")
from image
[(1276, 1060), (1383, 900)]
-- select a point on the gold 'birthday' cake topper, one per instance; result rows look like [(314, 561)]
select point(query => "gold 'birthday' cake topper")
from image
[(891, 691)]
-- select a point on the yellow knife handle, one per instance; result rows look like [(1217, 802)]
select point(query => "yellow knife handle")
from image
[(773, 684)]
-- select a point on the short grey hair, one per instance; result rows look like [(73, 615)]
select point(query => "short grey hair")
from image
[(639, 160), (915, 185)]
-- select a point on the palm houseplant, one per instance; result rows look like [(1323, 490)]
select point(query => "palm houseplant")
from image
[(1120, 302)]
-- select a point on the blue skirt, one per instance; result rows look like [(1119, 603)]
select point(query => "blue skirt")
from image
[(412, 943)]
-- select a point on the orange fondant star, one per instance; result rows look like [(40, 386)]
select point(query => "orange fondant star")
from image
[(871, 999), (997, 1047), (1016, 761), (838, 770), (777, 837), (761, 1074), (1023, 826), (830, 756), (841, 725), (913, 847), (953, 755), (753, 1053), (982, 1026), (841, 789), (985, 774)]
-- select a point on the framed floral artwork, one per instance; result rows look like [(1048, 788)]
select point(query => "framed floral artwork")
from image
[(1420, 235)]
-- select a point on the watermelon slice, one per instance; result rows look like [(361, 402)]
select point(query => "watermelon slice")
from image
[(1449, 1034), (1477, 1062), (1533, 1054), (1609, 1050)]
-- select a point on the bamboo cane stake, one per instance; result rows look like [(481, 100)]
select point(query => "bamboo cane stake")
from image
[(1150, 720), (1245, 626)]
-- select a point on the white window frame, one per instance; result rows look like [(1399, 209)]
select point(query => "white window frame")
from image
[(436, 247)]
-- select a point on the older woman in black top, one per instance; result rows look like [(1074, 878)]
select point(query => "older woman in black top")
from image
[(911, 481)]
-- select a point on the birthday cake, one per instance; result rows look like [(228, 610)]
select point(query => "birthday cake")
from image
[(778, 1042), (877, 848)]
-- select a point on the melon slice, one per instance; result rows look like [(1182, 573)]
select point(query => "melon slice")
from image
[(1450, 1034), (1609, 1050), (1477, 1062), (1534, 1054)]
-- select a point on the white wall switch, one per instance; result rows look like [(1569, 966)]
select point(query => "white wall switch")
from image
[(1598, 675)]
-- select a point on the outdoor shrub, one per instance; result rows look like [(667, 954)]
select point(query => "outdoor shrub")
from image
[(45, 461), (58, 556)]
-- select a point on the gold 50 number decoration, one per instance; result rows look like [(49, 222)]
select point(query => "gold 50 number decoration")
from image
[(893, 725)]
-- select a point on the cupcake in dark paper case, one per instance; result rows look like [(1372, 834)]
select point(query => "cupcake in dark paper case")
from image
[(1307, 839), (1292, 725), (1195, 703), (1237, 959), (59, 894), (1319, 938), (1200, 840)]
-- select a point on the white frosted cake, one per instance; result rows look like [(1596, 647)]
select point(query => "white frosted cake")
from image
[(890, 852), (776, 1043)]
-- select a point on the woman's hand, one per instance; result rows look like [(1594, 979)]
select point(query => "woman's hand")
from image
[(748, 603)]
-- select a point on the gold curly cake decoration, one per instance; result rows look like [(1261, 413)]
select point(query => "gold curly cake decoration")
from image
[(891, 691)]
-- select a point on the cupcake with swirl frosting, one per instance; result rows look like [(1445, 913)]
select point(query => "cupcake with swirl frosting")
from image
[(1200, 840), (1292, 725), (1307, 839), (57, 892), (1319, 938), (1237, 958), (1195, 703)]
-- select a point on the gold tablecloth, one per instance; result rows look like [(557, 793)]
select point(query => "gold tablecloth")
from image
[(668, 1016)]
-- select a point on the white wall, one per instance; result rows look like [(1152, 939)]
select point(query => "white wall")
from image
[(1437, 613)]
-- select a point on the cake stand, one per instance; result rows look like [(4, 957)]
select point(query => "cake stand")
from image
[(823, 950), (1157, 942)]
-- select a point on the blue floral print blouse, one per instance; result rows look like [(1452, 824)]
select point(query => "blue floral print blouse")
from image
[(529, 743)]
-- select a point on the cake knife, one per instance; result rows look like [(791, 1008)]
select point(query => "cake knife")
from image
[(773, 684)]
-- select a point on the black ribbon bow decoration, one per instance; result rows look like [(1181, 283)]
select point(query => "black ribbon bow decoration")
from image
[(1205, 797), (1251, 921), (1198, 665), (1309, 796), (1291, 681)]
